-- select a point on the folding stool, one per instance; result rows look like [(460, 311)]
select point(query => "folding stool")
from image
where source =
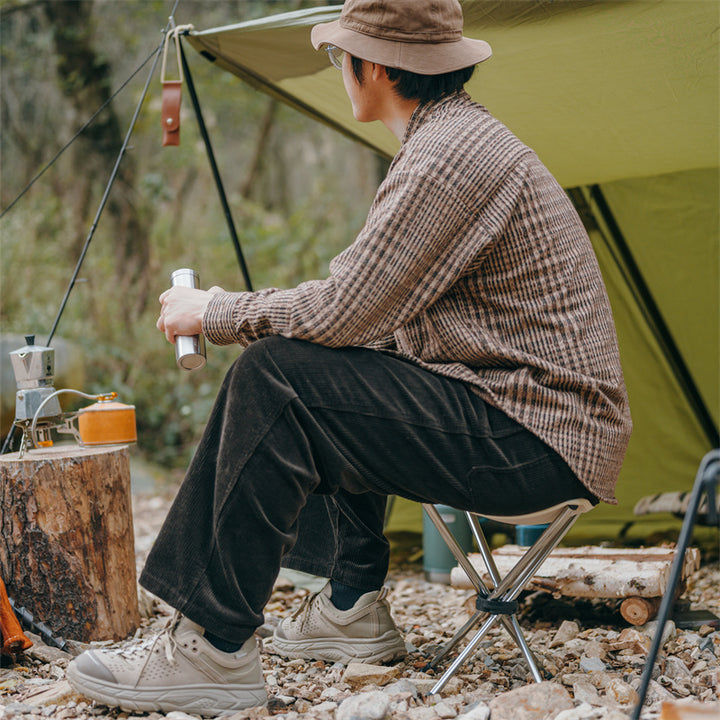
[(500, 601)]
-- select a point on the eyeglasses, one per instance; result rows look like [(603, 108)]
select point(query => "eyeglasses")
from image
[(336, 56)]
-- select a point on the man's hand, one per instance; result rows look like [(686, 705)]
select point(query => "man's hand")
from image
[(182, 311)]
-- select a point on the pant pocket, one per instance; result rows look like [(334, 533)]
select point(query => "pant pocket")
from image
[(521, 488)]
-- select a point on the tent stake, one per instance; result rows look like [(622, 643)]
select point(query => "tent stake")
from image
[(215, 171)]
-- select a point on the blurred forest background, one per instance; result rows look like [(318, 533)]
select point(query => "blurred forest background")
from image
[(298, 193)]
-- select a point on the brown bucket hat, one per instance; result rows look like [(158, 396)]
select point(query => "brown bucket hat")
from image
[(422, 36)]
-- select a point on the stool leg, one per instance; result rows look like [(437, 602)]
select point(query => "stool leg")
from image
[(455, 549), (463, 656), (520, 575), (456, 638), (513, 627), (511, 624)]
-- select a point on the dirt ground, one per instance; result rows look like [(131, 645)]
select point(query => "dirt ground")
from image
[(595, 658)]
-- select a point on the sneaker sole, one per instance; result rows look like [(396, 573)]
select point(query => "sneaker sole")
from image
[(200, 699), (383, 649)]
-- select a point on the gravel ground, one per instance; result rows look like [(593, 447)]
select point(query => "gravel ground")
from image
[(595, 658)]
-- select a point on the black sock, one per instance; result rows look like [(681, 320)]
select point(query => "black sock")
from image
[(222, 644), (343, 597)]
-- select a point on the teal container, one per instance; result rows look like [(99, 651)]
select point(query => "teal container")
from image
[(526, 535), (438, 561)]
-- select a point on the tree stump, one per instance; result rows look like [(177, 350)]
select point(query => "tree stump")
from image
[(66, 539)]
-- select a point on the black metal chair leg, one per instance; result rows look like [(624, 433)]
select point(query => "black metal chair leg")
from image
[(708, 474)]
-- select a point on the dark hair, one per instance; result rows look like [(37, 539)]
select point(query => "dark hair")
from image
[(413, 86)]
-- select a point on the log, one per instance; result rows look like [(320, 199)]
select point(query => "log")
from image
[(639, 610), (66, 543), (591, 571)]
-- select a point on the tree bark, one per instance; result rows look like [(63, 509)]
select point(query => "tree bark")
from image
[(260, 148), (592, 571), (67, 548)]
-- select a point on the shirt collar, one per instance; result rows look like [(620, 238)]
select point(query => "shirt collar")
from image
[(424, 110)]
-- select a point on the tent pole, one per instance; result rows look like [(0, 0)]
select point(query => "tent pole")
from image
[(113, 175), (215, 171)]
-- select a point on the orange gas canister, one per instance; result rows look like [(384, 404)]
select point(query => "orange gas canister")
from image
[(107, 423)]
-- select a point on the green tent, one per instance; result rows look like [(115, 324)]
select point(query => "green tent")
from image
[(620, 100)]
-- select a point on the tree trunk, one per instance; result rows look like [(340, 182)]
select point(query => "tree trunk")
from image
[(67, 548), (85, 79)]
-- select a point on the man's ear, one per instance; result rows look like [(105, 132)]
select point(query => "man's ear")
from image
[(378, 72)]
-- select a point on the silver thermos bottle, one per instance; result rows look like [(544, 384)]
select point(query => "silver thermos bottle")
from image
[(189, 349)]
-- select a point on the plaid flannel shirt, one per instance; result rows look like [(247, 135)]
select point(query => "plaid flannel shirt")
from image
[(474, 264)]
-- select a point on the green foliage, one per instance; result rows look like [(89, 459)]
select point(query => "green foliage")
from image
[(308, 197)]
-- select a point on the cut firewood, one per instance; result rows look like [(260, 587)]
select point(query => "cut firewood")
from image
[(591, 571), (639, 610)]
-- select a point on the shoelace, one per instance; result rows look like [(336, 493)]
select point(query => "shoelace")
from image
[(306, 603), (165, 636), (168, 636)]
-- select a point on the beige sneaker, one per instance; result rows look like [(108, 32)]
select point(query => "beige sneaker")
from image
[(319, 631), (177, 670)]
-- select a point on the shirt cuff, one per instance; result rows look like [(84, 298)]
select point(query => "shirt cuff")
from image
[(218, 324)]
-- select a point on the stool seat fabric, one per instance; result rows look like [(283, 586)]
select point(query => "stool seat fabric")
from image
[(542, 517)]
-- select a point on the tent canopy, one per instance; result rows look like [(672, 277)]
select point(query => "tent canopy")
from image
[(620, 100), (602, 90)]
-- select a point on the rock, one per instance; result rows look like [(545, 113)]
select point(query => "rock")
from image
[(46, 653), (179, 715), (366, 706), (595, 649), (422, 713), (427, 613), (657, 693), (267, 629), (444, 710), (15, 709), (591, 664), (57, 692), (621, 692), (675, 668), (584, 692), (476, 711), (358, 674), (669, 631), (326, 706), (568, 630), (582, 712), (631, 639), (425, 685), (539, 701), (401, 687), (301, 706)]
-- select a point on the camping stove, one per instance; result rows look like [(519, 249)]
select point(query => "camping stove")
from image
[(38, 411), (34, 367)]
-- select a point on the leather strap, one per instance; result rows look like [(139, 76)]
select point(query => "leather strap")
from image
[(170, 111)]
